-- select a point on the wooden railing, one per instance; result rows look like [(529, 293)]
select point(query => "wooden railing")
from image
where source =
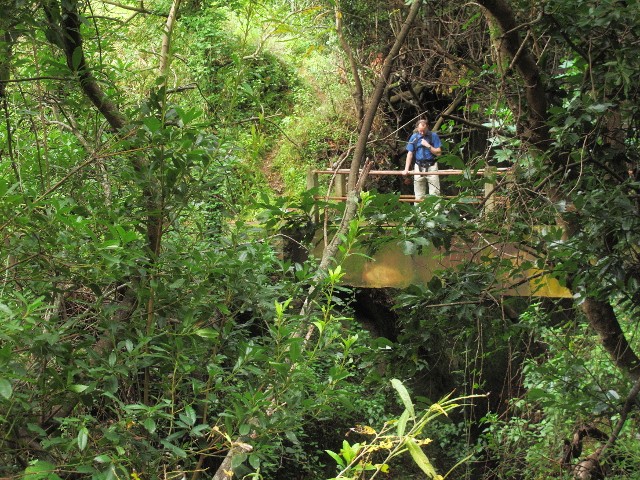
[(489, 199)]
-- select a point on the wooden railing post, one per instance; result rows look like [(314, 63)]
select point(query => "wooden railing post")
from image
[(312, 182), (509, 182), (340, 185), (489, 187)]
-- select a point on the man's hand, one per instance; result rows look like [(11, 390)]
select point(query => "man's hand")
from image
[(425, 143), (405, 172)]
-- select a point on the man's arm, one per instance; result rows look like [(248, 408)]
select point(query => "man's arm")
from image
[(437, 151), (407, 164)]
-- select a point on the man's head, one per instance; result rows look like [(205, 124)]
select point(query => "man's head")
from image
[(422, 126)]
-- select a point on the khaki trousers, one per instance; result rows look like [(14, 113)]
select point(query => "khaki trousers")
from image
[(420, 181)]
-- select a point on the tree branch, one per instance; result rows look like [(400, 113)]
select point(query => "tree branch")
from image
[(599, 313), (526, 65), (358, 95), (603, 320), (135, 9)]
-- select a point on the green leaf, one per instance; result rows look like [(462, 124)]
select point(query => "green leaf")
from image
[(78, 388), (83, 438), (200, 430), (292, 438), (152, 124), (420, 458), (238, 460), (109, 474), (111, 384), (41, 471), (408, 248), (404, 396), (85, 469), (208, 333), (177, 451), (149, 424), (34, 427), (454, 161), (190, 414), (402, 422), (536, 394), (254, 461), (6, 309), (349, 452), (336, 457), (6, 390)]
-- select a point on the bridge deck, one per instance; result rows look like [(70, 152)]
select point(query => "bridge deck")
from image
[(389, 267)]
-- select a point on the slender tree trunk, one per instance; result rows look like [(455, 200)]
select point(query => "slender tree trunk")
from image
[(355, 180), (367, 122), (604, 322), (358, 93), (65, 32), (5, 61), (165, 58), (525, 64), (73, 47), (6, 50)]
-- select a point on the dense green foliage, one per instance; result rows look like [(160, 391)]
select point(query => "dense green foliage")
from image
[(159, 311)]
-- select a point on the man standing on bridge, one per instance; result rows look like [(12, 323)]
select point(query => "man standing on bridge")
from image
[(425, 146)]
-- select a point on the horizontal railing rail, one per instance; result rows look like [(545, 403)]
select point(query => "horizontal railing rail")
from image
[(488, 201), (480, 172)]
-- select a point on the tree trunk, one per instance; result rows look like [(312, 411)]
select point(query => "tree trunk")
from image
[(536, 130), (358, 94), (599, 313), (603, 320), (354, 183), (367, 122)]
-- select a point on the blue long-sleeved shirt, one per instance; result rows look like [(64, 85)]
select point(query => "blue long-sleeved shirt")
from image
[(423, 154)]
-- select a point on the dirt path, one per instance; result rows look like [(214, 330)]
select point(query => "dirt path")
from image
[(272, 175)]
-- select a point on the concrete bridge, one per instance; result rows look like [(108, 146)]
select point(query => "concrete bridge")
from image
[(390, 267)]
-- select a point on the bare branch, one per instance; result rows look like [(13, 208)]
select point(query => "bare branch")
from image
[(135, 9)]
